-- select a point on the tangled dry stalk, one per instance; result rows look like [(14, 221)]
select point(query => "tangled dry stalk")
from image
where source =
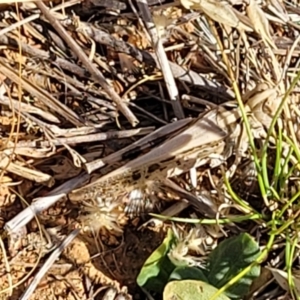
[(112, 109)]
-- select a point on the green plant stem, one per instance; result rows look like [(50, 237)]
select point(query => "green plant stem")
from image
[(237, 219), (235, 197), (295, 147), (277, 169), (260, 178), (272, 126), (288, 204)]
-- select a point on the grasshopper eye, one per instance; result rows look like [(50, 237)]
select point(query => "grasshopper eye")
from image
[(136, 175)]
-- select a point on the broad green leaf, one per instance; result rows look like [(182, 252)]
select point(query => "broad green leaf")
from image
[(230, 258), (181, 273), (156, 270), (190, 290)]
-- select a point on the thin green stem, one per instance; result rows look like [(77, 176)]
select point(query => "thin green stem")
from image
[(233, 219)]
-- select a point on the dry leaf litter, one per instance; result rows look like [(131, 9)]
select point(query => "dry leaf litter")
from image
[(113, 109)]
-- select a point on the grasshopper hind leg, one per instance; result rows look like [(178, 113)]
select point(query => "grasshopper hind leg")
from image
[(140, 202)]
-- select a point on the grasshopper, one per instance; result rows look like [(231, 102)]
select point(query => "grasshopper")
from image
[(190, 147), (202, 140)]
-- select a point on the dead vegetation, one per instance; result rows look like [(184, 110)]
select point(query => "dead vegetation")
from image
[(113, 109)]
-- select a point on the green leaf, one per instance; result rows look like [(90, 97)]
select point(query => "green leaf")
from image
[(230, 258), (156, 270), (181, 273), (190, 290)]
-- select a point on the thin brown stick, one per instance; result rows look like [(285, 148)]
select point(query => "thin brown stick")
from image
[(39, 93), (87, 63), (161, 59), (188, 76), (88, 138)]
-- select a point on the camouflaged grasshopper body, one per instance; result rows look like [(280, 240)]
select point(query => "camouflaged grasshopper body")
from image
[(203, 140), (189, 148)]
